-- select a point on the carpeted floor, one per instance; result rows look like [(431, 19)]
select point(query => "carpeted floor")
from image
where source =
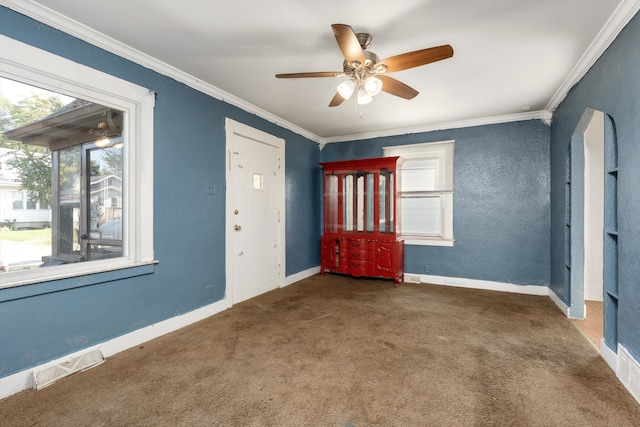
[(340, 351)]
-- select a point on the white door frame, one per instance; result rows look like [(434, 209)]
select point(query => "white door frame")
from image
[(232, 128), (594, 208), (579, 228)]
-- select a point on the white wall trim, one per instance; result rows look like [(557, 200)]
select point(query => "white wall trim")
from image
[(561, 305), (609, 32), (618, 20), (83, 32), (623, 14), (293, 278), (477, 284), (609, 355), (23, 380), (532, 115)]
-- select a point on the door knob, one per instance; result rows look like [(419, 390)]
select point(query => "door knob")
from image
[(237, 227)]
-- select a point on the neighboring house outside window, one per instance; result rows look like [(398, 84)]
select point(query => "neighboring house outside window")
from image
[(427, 192)]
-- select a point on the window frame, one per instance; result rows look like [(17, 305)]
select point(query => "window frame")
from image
[(24, 63), (443, 150)]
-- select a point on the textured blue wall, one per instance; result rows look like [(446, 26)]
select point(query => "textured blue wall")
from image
[(612, 85), (501, 202), (41, 322)]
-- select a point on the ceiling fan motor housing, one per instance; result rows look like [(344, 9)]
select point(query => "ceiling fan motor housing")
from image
[(370, 59)]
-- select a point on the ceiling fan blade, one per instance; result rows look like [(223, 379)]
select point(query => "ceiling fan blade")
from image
[(337, 100), (315, 74), (348, 43), (397, 88), (416, 58)]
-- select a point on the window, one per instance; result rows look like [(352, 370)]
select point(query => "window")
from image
[(427, 192), (32, 204), (18, 198), (101, 190)]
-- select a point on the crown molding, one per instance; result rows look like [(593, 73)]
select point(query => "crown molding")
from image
[(621, 16), (74, 28), (545, 116), (625, 11)]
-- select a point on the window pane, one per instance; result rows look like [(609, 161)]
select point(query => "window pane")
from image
[(105, 219), (420, 175), (421, 216), (67, 222), (68, 161), (17, 200)]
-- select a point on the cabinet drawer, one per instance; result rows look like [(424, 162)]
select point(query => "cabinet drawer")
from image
[(359, 268), (355, 255), (358, 245)]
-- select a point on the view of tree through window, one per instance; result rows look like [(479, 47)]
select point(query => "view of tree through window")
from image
[(61, 179)]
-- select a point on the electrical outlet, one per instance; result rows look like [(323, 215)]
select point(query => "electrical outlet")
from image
[(209, 188), (427, 268), (209, 292)]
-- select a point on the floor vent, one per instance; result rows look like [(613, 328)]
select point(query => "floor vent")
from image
[(629, 371), (48, 376)]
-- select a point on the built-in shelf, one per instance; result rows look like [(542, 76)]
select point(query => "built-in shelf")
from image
[(610, 267)]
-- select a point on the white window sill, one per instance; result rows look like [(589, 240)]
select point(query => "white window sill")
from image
[(426, 241), (59, 278)]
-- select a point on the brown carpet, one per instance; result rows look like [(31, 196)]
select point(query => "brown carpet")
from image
[(340, 351)]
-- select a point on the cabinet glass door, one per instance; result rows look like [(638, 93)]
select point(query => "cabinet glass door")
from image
[(386, 201), (370, 196), (331, 201), (348, 193)]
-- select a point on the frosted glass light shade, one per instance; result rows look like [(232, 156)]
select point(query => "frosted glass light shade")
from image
[(373, 85), (364, 97), (346, 88)]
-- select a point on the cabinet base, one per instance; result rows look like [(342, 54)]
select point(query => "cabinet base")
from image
[(396, 279)]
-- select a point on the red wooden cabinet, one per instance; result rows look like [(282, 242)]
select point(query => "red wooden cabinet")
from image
[(361, 233)]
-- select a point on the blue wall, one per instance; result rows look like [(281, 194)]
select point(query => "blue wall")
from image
[(612, 85), (500, 205), (45, 321), (508, 205)]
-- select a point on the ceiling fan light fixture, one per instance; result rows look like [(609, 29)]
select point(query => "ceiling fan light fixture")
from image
[(364, 97), (373, 85), (346, 88)]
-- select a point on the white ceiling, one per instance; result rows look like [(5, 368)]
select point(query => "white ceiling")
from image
[(513, 59)]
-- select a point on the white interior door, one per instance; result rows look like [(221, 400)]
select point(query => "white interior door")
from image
[(255, 200)]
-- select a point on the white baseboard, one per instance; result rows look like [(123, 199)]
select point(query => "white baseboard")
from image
[(24, 380), (478, 284), (609, 356), (301, 275), (561, 305)]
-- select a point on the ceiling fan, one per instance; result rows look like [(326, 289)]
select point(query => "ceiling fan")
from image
[(366, 73)]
